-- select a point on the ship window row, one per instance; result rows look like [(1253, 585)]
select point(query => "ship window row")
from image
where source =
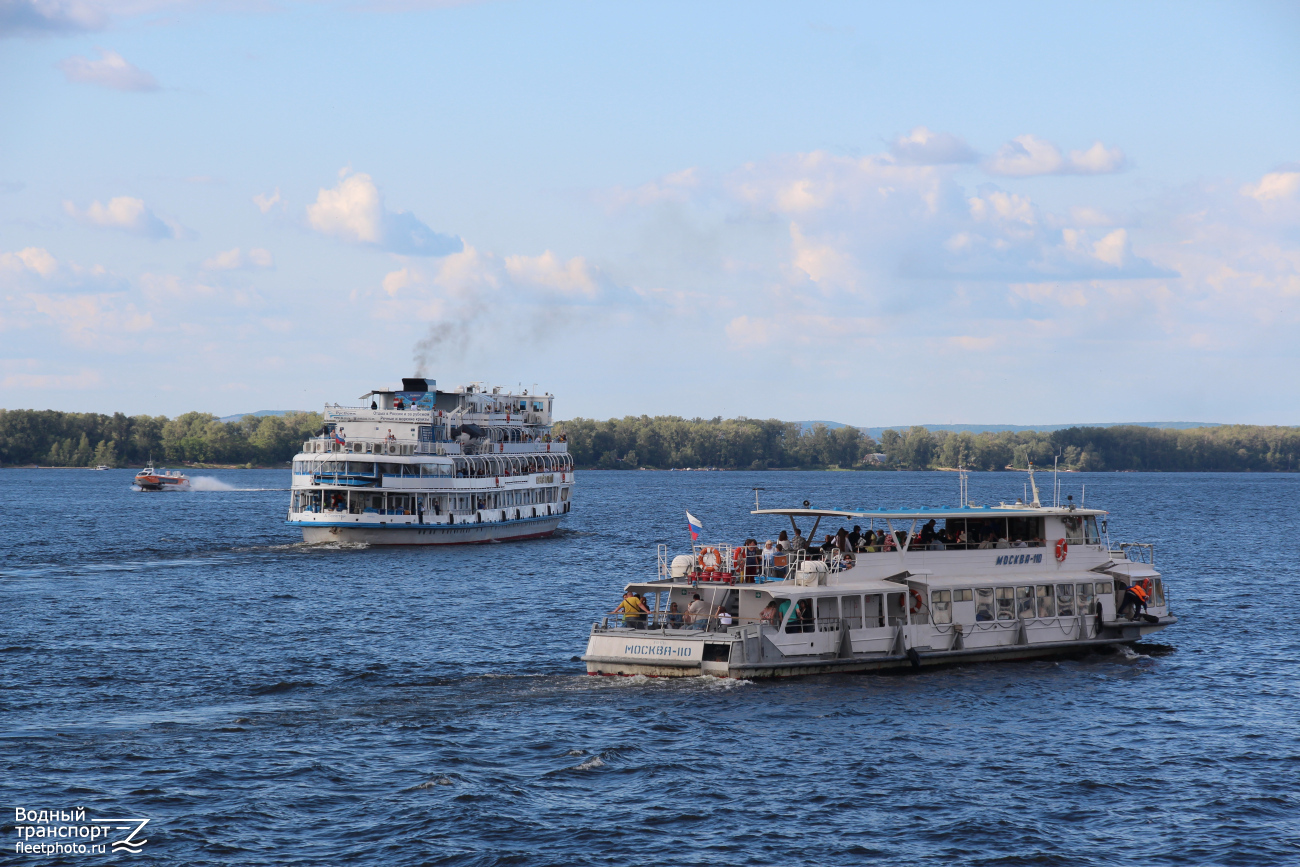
[(364, 502), (469, 467), (875, 610), (998, 532), (1022, 602)]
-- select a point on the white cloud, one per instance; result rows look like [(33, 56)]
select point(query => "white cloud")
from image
[(925, 148), (36, 260), (36, 269), (33, 373), (127, 214), (1029, 155), (265, 203), (110, 70), (354, 211), (572, 278), (40, 17), (234, 259), (1274, 186)]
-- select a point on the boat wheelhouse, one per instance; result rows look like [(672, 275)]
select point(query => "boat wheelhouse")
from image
[(921, 587), (419, 466)]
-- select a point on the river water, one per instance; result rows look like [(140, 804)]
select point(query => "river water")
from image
[(182, 657)]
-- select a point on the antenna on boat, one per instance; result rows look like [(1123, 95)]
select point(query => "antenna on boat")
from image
[(963, 486), (1034, 485), (1056, 481), (756, 490)]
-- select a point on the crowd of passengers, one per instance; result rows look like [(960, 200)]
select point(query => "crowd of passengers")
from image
[(750, 563)]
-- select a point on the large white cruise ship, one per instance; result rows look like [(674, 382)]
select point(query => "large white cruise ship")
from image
[(419, 466)]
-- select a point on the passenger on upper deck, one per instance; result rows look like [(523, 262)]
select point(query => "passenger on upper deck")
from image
[(855, 537), (827, 548)]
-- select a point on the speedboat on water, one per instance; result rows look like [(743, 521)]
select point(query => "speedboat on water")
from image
[(420, 466), (916, 588), (149, 479)]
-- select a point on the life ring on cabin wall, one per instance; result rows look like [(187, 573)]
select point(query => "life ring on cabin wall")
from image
[(1062, 550), (497, 480), (918, 601)]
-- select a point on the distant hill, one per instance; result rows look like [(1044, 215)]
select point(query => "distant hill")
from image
[(875, 432), (259, 413)]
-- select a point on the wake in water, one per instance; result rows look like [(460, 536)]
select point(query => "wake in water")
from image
[(211, 483)]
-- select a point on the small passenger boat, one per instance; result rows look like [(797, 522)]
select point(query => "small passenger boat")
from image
[(929, 587), (149, 479)]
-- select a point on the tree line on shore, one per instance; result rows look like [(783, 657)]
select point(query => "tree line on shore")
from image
[(53, 438), (664, 442), (83, 439)]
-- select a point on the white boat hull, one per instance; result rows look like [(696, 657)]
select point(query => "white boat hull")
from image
[(744, 652), (433, 534)]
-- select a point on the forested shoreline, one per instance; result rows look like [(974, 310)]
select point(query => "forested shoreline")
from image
[(665, 442), (76, 439), (53, 438)]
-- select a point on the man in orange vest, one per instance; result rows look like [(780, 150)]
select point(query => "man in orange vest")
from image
[(1135, 597)]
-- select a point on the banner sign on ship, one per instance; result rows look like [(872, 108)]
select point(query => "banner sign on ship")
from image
[(421, 399)]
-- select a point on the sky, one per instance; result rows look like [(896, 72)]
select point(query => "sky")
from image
[(877, 213)]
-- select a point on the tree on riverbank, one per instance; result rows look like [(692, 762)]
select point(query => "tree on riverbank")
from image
[(71, 439), (662, 442)]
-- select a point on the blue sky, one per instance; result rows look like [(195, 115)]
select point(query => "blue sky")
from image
[(878, 213)]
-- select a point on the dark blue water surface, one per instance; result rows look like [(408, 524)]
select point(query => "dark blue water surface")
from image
[(184, 657)]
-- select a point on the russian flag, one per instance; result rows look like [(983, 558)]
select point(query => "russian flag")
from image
[(338, 439), (694, 525)]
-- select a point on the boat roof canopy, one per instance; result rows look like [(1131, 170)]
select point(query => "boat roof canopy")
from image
[(1018, 510)]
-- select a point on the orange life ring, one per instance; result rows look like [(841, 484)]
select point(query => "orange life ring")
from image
[(1062, 549), (710, 559), (918, 601)]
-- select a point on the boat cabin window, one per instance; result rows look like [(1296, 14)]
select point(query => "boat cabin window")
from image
[(851, 606), (1157, 592), (1006, 603), (1025, 602), (873, 612), (1104, 587), (963, 533), (983, 604), (1046, 600), (961, 596), (895, 609), (800, 618), (1065, 600), (1073, 529), (1090, 534), (1083, 597), (941, 606)]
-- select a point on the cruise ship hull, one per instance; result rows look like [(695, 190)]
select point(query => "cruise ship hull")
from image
[(432, 534)]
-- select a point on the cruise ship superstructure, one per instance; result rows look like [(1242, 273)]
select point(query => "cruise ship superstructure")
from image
[(419, 466)]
